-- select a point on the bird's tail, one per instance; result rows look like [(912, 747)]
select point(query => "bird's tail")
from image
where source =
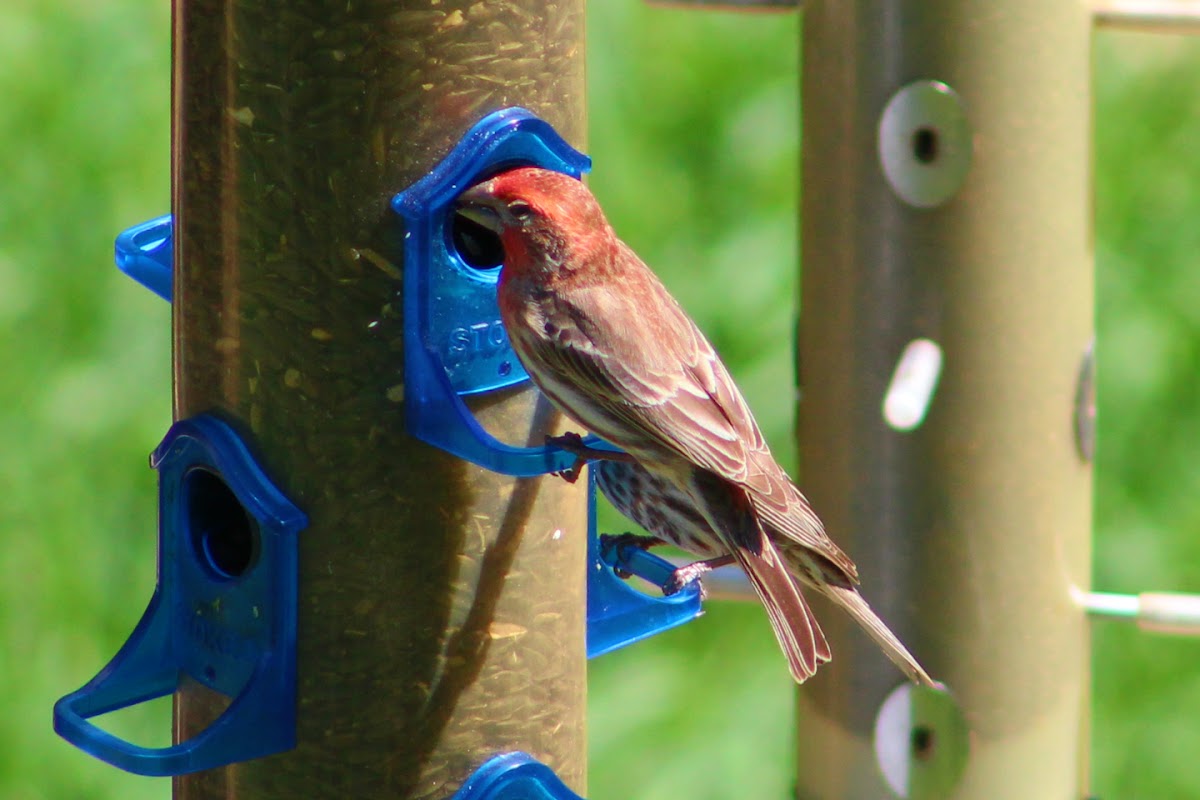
[(848, 598), (795, 627), (731, 515)]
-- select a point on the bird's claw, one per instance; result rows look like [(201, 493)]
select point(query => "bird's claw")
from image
[(573, 443), (683, 576), (628, 539), (570, 441), (571, 474), (612, 543)]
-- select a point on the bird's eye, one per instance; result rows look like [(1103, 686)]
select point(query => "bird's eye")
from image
[(520, 210)]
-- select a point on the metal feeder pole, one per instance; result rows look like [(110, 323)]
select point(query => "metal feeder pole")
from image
[(441, 615), (947, 198)]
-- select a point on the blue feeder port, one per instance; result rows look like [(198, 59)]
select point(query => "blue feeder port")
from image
[(514, 776), (223, 612)]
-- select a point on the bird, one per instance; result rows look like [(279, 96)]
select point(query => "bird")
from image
[(603, 339)]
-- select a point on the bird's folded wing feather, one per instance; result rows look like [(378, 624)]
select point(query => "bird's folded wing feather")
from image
[(662, 383)]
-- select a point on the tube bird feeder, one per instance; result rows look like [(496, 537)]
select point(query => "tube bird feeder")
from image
[(440, 608), (946, 317)]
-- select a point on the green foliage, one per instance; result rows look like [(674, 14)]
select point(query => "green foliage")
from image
[(84, 150), (694, 121), (1148, 333)]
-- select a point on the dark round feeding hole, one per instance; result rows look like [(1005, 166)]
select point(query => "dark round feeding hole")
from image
[(925, 145), (505, 369), (924, 742), (478, 247), (224, 535)]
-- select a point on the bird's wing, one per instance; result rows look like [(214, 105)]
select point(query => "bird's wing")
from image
[(657, 382), (649, 376)]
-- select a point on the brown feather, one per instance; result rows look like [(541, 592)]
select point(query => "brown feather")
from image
[(730, 514), (849, 599), (796, 629)]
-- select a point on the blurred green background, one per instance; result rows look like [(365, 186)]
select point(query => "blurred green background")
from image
[(694, 134)]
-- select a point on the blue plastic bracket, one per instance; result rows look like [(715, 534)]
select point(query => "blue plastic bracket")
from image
[(229, 625), (618, 614), (454, 341), (514, 776), (144, 254)]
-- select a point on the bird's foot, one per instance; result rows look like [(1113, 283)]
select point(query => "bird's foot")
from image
[(571, 474), (690, 572), (573, 443), (570, 441), (628, 539), (614, 543)]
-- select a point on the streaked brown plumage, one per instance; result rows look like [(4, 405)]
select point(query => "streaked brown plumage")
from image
[(668, 516), (604, 340)]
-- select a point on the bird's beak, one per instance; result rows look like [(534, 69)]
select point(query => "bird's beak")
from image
[(479, 205)]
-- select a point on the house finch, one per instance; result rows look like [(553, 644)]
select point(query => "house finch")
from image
[(603, 339)]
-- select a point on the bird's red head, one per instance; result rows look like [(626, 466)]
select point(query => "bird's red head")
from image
[(547, 221)]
